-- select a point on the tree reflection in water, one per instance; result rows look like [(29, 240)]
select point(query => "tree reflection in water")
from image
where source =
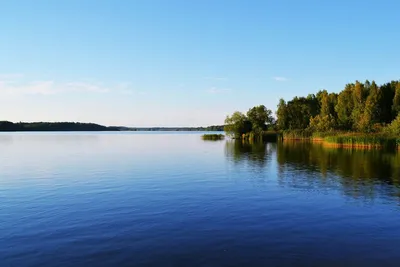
[(363, 174)]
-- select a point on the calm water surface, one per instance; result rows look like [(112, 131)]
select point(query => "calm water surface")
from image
[(171, 199)]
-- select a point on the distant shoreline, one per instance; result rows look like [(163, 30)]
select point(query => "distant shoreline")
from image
[(7, 126)]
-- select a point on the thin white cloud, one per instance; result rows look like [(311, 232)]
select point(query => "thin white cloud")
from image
[(47, 88), (10, 76), (280, 79), (33, 88), (216, 90), (216, 78), (124, 85), (85, 87), (131, 92), (14, 85), (40, 88), (125, 88)]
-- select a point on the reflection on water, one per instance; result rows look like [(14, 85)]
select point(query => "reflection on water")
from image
[(362, 174), (254, 153), (368, 165)]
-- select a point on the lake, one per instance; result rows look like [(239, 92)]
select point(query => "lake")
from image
[(172, 199)]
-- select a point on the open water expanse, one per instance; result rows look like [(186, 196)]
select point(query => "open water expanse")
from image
[(172, 199)]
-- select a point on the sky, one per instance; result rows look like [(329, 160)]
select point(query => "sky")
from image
[(185, 63)]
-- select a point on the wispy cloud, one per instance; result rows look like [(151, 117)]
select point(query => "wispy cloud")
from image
[(15, 85), (39, 88), (48, 88), (216, 90), (86, 87), (216, 78), (126, 88), (10, 76), (32, 88), (280, 79)]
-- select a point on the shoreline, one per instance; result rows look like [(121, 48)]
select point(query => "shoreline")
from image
[(345, 140)]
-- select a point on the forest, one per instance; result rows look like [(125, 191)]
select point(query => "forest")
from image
[(363, 113), (359, 107)]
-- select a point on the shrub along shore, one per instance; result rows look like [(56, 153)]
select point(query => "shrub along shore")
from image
[(213, 137), (345, 139), (331, 139)]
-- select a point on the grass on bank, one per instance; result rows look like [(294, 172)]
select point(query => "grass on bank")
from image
[(213, 137), (337, 139), (265, 136), (346, 139), (307, 134), (362, 141)]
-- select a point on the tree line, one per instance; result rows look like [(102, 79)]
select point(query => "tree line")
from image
[(7, 126), (359, 107), (212, 128)]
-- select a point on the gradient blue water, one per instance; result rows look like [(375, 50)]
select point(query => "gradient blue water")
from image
[(166, 199)]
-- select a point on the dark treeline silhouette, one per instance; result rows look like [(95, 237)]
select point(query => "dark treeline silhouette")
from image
[(212, 128), (6, 126), (359, 107)]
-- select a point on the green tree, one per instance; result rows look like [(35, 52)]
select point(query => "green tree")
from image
[(300, 110), (282, 115), (259, 117), (387, 93), (396, 101), (367, 86), (237, 124), (322, 123), (394, 127), (332, 103), (344, 107), (324, 103), (358, 95), (371, 111)]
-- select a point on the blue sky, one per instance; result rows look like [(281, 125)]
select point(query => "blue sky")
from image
[(185, 63)]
